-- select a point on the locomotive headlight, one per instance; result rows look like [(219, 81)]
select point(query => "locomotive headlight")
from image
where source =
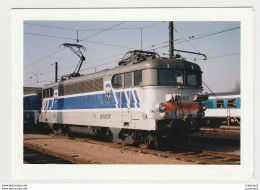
[(160, 107)]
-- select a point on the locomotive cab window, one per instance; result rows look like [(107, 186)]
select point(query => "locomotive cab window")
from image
[(193, 78), (220, 103), (117, 81), (170, 77)]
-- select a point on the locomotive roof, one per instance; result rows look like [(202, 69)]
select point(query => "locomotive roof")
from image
[(148, 64)]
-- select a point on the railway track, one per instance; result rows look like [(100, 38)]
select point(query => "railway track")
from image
[(34, 154), (202, 139), (182, 153)]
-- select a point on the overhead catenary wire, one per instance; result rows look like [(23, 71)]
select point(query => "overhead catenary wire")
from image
[(41, 25), (119, 59), (106, 44), (43, 58), (187, 41), (82, 30), (224, 55), (50, 36), (89, 62), (119, 46), (113, 61), (206, 35), (102, 31), (210, 89), (154, 45), (210, 34), (93, 61), (218, 56), (80, 40), (92, 29), (195, 38), (39, 81), (149, 25), (77, 41)]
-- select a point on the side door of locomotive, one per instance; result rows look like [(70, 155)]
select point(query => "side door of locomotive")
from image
[(127, 99), (126, 105), (122, 86)]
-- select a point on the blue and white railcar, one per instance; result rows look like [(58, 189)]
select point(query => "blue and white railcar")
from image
[(32, 104), (223, 107), (131, 102)]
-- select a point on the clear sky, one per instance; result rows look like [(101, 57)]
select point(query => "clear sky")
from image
[(107, 42)]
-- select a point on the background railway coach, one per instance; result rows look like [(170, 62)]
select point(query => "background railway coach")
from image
[(223, 109), (144, 99), (32, 103)]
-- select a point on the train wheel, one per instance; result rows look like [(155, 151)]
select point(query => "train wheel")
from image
[(147, 140), (108, 135), (58, 129), (115, 135), (70, 134)]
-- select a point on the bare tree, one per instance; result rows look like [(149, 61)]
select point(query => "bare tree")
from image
[(237, 86)]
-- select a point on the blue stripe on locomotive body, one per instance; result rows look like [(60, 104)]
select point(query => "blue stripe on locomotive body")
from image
[(137, 98), (121, 98), (94, 101)]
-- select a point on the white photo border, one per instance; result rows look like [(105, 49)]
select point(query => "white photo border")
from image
[(167, 172)]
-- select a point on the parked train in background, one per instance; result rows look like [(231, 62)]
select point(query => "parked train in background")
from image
[(223, 109), (32, 103)]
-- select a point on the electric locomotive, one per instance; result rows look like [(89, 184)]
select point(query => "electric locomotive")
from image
[(146, 100)]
